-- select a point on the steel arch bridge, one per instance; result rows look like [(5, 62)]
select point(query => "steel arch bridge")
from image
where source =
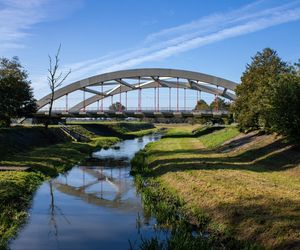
[(121, 82)]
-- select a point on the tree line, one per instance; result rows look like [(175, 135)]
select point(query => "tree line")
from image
[(268, 97)]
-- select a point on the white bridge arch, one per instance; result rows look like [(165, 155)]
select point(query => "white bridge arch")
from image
[(142, 79)]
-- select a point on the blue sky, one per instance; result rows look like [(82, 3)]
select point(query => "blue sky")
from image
[(213, 37)]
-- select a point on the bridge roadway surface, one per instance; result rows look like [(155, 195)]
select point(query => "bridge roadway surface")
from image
[(135, 112)]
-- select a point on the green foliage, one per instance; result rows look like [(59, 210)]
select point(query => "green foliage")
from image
[(285, 106), (251, 106), (268, 96), (117, 106), (16, 189), (220, 104), (16, 97), (202, 105)]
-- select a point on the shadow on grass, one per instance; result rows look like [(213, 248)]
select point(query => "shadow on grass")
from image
[(280, 217), (196, 133), (277, 156), (51, 160)]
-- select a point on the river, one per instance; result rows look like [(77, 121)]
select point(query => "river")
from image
[(90, 207)]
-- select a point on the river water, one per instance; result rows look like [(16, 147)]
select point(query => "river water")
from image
[(90, 207)]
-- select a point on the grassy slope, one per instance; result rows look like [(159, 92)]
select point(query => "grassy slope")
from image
[(21, 139), (13, 206), (251, 192), (48, 153), (118, 129)]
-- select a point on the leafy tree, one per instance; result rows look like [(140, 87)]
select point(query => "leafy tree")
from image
[(252, 106), (201, 105), (285, 106), (297, 67), (16, 97), (117, 106), (220, 103)]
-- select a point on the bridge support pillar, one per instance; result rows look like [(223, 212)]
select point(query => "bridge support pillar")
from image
[(154, 98), (169, 99), (184, 98), (102, 97), (177, 109), (158, 97), (66, 103), (126, 100), (83, 99), (139, 95)]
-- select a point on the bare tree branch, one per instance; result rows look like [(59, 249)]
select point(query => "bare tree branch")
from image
[(55, 78)]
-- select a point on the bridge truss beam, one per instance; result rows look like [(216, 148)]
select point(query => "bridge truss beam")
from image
[(138, 79)]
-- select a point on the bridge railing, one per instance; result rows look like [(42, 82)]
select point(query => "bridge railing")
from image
[(135, 109)]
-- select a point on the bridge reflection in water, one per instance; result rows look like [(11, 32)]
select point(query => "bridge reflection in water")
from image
[(105, 187), (90, 207)]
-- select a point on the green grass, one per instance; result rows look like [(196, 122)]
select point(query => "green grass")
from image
[(16, 190), (180, 130), (141, 133), (250, 192), (117, 129), (48, 153), (217, 138), (57, 158), (23, 147), (21, 139)]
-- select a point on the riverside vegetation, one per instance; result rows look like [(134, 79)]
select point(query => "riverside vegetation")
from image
[(47, 153), (218, 188)]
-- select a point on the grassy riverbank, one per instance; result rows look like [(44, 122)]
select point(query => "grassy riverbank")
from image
[(47, 153), (124, 130), (245, 192)]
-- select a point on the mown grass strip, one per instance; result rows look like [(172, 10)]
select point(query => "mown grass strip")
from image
[(250, 192), (217, 138)]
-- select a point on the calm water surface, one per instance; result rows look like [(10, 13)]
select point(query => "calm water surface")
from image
[(90, 207)]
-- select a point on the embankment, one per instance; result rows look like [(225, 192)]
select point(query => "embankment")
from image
[(240, 194), (47, 153)]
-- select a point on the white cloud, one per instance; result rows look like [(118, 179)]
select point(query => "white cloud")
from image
[(156, 46), (175, 40), (17, 17)]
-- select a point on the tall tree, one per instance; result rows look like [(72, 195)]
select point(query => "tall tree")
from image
[(252, 106), (16, 96), (55, 79)]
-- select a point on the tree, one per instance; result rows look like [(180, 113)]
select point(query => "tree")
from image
[(220, 103), (16, 96), (252, 106), (201, 105), (285, 106), (297, 67), (117, 106), (55, 79)]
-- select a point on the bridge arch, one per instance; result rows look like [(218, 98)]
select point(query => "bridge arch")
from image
[(143, 79)]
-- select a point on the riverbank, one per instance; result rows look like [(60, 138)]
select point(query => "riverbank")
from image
[(47, 153), (244, 193)]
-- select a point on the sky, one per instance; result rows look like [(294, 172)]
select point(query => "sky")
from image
[(213, 37)]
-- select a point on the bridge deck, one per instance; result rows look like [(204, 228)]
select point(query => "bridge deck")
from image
[(135, 113)]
